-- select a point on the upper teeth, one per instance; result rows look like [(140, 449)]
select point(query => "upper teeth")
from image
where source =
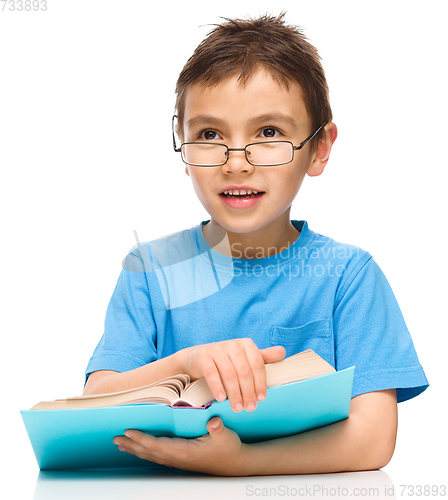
[(241, 191)]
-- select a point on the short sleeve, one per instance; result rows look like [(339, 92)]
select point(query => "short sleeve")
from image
[(129, 338), (371, 334)]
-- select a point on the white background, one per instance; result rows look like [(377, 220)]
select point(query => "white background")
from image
[(86, 99)]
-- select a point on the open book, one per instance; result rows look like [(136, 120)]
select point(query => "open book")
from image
[(180, 391), (304, 392)]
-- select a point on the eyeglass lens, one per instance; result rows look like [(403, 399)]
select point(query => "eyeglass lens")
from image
[(269, 153)]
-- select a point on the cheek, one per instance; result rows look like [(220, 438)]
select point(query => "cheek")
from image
[(287, 183), (201, 185), (197, 182)]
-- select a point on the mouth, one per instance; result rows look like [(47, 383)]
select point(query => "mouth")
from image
[(242, 201), (248, 195)]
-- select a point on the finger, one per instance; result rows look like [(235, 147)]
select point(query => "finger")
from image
[(249, 363), (145, 446), (244, 388), (257, 364), (150, 443), (131, 446), (273, 354), (212, 377), (230, 379), (215, 426)]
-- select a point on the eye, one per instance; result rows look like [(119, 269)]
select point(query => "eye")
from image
[(269, 132), (209, 135)]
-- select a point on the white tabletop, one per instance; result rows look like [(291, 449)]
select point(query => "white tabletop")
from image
[(174, 484)]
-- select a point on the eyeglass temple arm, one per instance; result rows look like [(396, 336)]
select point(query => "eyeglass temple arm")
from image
[(177, 150), (308, 139)]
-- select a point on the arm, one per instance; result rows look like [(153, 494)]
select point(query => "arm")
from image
[(107, 381), (364, 441), (232, 368)]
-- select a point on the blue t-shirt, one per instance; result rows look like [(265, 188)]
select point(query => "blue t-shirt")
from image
[(176, 292)]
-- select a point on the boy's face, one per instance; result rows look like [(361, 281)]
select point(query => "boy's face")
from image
[(237, 115)]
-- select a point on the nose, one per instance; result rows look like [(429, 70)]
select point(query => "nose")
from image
[(237, 161)]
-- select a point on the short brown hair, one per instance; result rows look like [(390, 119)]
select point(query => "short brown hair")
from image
[(242, 46)]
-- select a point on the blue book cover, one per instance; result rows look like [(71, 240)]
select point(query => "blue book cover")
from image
[(83, 438)]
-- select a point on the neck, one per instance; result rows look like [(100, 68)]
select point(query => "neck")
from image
[(264, 242)]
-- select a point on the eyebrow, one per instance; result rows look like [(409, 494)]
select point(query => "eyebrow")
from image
[(276, 117), (266, 118), (204, 119)]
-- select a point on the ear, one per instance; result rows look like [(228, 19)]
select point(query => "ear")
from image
[(179, 133), (323, 150)]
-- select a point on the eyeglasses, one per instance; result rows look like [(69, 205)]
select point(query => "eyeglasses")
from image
[(259, 154)]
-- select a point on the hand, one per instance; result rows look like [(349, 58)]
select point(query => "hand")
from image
[(234, 369), (219, 453)]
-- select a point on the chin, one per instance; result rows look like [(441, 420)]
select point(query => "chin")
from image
[(243, 225)]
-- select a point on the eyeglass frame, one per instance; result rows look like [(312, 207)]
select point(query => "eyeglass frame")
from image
[(294, 148)]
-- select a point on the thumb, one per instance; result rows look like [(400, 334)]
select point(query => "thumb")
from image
[(273, 354), (215, 425)]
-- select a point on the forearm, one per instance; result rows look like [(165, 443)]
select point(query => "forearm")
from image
[(358, 443), (104, 382)]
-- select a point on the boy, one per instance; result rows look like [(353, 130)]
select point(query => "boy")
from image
[(250, 286)]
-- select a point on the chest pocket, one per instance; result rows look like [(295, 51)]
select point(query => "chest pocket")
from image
[(316, 335)]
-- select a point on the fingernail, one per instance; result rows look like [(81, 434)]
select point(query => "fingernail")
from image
[(221, 396), (238, 407), (260, 397), (251, 406)]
